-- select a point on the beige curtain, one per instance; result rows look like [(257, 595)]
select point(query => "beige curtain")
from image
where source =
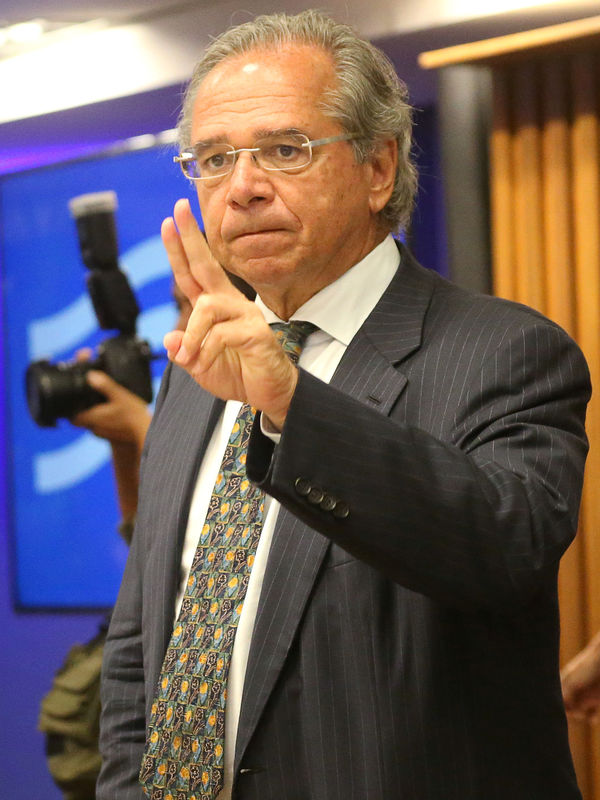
[(545, 179), (545, 228)]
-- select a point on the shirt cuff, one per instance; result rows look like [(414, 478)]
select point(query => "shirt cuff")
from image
[(269, 430)]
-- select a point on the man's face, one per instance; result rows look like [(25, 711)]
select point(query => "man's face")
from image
[(286, 234)]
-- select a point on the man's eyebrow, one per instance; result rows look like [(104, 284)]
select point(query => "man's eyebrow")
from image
[(263, 133), (220, 139)]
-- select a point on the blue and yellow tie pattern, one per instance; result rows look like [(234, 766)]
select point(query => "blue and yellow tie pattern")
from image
[(185, 745)]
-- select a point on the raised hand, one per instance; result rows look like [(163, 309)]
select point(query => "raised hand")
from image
[(580, 680), (227, 347)]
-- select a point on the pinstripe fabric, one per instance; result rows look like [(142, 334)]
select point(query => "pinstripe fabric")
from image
[(414, 651)]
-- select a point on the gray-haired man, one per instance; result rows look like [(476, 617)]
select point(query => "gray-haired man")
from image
[(360, 602)]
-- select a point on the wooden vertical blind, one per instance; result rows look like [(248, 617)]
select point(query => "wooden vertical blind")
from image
[(545, 228), (545, 177)]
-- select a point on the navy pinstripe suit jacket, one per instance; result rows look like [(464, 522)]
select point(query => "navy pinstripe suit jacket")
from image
[(409, 647)]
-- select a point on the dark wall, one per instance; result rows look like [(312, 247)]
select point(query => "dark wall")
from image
[(464, 110), (427, 237)]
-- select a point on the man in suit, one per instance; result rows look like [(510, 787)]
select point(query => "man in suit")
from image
[(421, 471)]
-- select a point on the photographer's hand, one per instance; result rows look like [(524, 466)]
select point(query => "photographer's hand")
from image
[(124, 418)]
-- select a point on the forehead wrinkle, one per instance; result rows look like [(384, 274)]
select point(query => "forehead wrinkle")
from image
[(227, 96), (239, 107), (291, 116), (230, 111)]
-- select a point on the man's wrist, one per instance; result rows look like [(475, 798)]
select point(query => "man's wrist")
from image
[(276, 416)]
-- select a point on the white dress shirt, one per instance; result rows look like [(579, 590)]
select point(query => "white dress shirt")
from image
[(338, 311)]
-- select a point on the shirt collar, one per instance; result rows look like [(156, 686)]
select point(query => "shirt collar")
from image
[(341, 307)]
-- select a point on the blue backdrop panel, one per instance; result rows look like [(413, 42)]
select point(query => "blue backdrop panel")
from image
[(67, 553)]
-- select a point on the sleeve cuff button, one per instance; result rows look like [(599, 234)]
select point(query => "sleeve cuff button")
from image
[(341, 510), (302, 486), (328, 503), (315, 496)]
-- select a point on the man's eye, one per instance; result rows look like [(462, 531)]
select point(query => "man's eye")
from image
[(287, 152), (215, 161)]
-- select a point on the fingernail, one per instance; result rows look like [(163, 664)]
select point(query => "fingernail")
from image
[(182, 356)]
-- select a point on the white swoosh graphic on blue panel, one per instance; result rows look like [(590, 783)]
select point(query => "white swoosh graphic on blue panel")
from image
[(68, 465), (64, 467), (59, 469), (63, 331)]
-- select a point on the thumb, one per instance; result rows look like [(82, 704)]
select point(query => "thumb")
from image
[(172, 343), (104, 383)]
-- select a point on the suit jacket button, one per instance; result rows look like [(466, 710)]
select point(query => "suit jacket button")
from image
[(341, 510), (315, 496), (302, 486), (328, 502)]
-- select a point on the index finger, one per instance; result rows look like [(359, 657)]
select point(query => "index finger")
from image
[(204, 267), (178, 261)]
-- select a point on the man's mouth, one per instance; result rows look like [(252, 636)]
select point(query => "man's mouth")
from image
[(257, 232)]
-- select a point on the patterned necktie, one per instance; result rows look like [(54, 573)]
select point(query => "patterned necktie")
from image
[(184, 750)]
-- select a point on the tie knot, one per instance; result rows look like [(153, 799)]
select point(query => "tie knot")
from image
[(292, 335)]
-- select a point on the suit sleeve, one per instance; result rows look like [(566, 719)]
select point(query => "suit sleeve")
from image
[(123, 724), (479, 520)]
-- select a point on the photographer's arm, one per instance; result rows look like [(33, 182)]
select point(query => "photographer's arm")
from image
[(123, 420)]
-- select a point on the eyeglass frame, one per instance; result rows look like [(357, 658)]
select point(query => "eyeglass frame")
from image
[(310, 143)]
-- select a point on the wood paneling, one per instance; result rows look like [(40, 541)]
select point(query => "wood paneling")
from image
[(545, 178), (579, 34), (545, 228)]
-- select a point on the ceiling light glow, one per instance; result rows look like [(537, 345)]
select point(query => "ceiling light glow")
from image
[(25, 32)]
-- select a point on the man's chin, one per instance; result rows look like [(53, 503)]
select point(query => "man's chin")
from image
[(262, 271), (264, 244)]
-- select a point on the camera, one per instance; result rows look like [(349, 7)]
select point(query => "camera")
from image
[(61, 390)]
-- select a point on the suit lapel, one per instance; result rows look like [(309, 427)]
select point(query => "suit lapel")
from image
[(367, 372)]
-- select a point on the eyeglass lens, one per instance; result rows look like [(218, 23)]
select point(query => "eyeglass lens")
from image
[(281, 152)]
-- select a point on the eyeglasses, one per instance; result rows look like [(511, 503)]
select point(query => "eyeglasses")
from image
[(287, 152)]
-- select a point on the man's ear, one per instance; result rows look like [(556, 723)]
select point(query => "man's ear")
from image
[(383, 164)]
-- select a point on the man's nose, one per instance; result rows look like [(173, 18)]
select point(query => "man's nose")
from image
[(248, 182)]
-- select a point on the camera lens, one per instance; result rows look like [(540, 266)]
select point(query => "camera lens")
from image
[(59, 390)]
